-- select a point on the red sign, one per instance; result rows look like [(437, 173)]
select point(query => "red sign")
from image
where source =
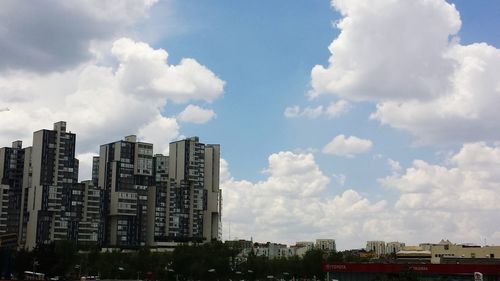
[(489, 269)]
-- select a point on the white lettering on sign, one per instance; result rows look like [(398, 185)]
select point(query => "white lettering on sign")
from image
[(419, 268)]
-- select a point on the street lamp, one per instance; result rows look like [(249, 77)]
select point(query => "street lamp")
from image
[(79, 267), (35, 263)]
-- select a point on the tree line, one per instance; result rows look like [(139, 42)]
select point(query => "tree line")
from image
[(209, 261)]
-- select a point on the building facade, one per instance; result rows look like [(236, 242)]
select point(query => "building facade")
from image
[(378, 247), (326, 244), (52, 214), (194, 196), (157, 202), (393, 247), (125, 174), (463, 251), (11, 184), (133, 198), (90, 227)]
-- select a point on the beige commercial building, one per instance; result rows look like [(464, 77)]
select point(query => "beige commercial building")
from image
[(439, 251)]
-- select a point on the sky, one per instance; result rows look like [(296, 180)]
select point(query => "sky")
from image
[(344, 119)]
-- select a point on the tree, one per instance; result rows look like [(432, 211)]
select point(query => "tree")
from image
[(312, 263)]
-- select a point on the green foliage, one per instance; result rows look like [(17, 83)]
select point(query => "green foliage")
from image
[(210, 261)]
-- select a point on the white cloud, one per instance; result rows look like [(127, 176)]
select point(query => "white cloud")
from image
[(292, 203), (347, 147), (458, 202), (161, 131), (102, 104), (338, 108), (309, 112), (466, 194), (196, 114), (292, 111), (334, 110), (394, 166), (422, 81)]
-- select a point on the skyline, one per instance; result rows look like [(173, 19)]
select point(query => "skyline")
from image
[(391, 136)]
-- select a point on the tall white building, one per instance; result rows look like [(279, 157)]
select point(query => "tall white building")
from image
[(393, 247), (378, 247)]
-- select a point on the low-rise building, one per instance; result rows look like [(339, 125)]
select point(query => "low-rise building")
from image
[(463, 251), (378, 247), (393, 247), (413, 254), (326, 244)]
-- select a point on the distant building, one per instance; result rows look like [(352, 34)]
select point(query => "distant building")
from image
[(240, 244), (269, 250), (413, 254), (300, 248), (326, 244), (393, 247), (463, 251), (378, 247)]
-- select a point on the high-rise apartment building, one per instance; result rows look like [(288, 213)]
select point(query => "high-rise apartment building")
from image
[(157, 199), (194, 197), (133, 198), (89, 228), (11, 183), (125, 174), (52, 213)]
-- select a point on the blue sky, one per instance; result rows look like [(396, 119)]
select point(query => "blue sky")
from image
[(432, 100)]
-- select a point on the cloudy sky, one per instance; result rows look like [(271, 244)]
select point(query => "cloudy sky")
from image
[(345, 119)]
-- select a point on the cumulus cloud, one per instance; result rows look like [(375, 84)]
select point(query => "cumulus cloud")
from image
[(465, 193), (457, 201), (412, 66), (58, 35), (101, 103), (196, 114), (292, 203), (347, 146)]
